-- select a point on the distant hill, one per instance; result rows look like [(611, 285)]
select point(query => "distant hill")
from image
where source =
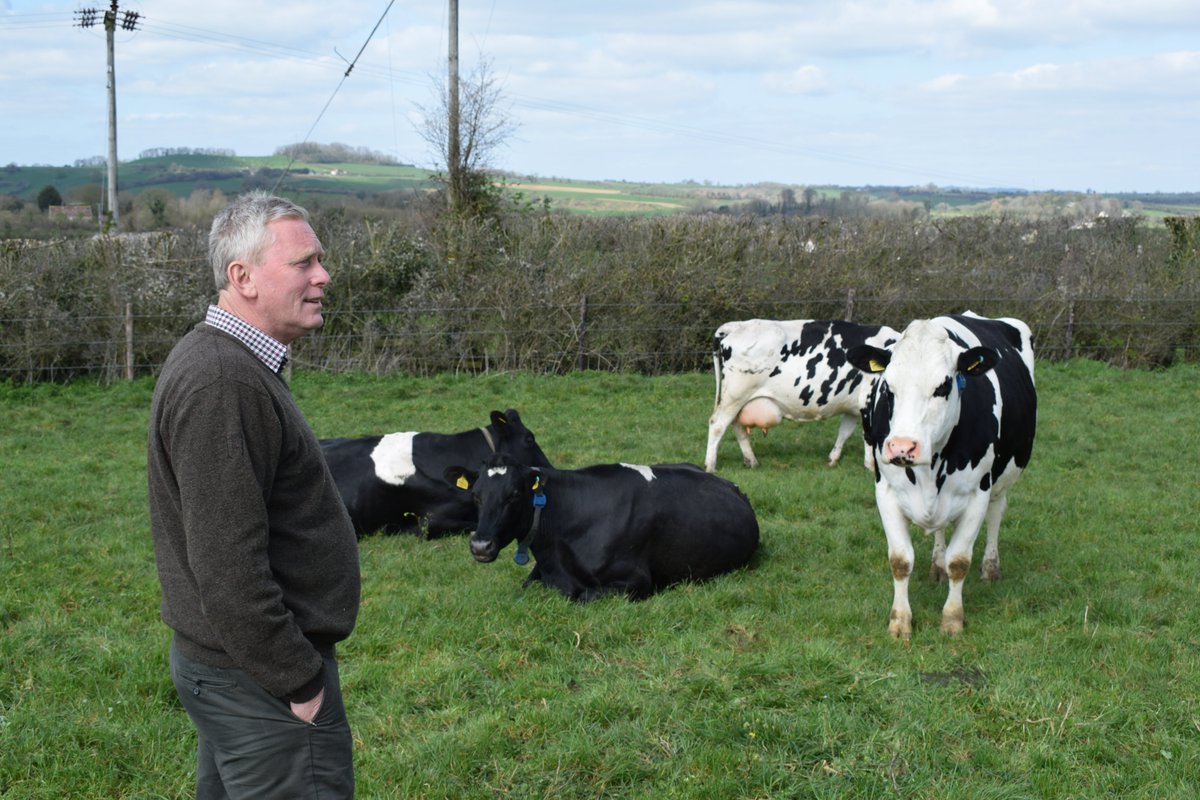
[(183, 173)]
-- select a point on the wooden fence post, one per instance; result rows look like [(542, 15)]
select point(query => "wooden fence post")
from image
[(850, 305), (581, 335), (1070, 329), (128, 341)]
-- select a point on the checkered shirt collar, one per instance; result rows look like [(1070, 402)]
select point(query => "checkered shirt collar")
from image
[(269, 350)]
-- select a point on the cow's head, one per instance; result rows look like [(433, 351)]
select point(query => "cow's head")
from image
[(512, 437), (916, 402), (504, 491)]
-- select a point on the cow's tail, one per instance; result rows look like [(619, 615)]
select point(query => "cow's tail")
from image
[(718, 370)]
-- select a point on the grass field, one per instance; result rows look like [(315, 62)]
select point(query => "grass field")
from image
[(1078, 675), (323, 182)]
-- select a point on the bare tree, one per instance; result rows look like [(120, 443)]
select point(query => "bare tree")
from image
[(485, 123)]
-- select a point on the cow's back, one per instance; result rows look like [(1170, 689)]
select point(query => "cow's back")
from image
[(799, 364), (674, 522), (705, 525)]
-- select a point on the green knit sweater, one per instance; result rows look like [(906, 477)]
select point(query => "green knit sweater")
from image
[(256, 554)]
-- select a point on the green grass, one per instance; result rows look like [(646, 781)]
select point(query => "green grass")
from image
[(1077, 676)]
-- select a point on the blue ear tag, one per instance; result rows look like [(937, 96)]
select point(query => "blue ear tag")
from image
[(522, 555), (539, 500), (961, 380)]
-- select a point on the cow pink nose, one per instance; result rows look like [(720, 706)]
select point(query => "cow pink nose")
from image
[(901, 449)]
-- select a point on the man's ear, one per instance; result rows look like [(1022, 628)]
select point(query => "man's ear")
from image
[(241, 279)]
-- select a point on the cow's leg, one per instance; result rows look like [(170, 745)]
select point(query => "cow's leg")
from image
[(847, 426), (534, 576), (717, 424), (990, 570), (743, 440), (958, 563), (629, 576), (900, 558), (937, 563)]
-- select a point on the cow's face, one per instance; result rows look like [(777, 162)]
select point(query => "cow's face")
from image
[(514, 438), (916, 401), (503, 492)]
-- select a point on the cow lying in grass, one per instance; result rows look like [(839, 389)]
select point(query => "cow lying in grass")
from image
[(393, 483), (611, 528)]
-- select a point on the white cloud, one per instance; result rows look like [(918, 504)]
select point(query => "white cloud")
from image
[(804, 80), (1153, 74)]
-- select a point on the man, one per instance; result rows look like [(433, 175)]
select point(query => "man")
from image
[(256, 554)]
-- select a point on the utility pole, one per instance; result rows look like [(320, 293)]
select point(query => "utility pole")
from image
[(453, 156), (128, 22)]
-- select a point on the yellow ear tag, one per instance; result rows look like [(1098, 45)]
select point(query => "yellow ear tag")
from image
[(875, 366), (462, 482), (536, 483)]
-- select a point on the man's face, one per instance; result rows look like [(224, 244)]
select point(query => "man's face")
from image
[(290, 281)]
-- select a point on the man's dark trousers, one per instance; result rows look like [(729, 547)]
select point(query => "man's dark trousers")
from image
[(251, 745)]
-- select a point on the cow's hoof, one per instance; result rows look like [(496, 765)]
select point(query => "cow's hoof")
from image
[(952, 621), (937, 573), (750, 463), (900, 625), (991, 570)]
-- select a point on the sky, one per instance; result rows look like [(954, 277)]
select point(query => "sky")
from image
[(1073, 95)]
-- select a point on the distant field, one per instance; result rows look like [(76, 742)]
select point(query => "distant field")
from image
[(183, 174), (596, 199)]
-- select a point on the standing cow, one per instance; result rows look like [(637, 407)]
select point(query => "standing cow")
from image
[(768, 370), (610, 528), (394, 482), (951, 421)]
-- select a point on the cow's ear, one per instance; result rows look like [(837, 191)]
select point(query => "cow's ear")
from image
[(460, 478), (977, 361), (499, 420), (869, 359)]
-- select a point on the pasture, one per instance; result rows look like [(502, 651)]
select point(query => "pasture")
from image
[(1077, 675)]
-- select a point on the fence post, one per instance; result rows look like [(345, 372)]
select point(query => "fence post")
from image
[(128, 341), (581, 335), (850, 305), (1070, 329)]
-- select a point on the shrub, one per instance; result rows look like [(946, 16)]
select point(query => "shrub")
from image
[(424, 293)]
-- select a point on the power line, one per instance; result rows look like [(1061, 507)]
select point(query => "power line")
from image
[(565, 108), (336, 89)]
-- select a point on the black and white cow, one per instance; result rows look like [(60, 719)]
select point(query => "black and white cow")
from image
[(610, 528), (769, 370), (951, 421), (394, 482)]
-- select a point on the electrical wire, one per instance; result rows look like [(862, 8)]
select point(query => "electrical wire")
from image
[(292, 159)]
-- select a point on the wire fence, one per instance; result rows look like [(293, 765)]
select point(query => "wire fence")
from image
[(553, 294), (651, 339)]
